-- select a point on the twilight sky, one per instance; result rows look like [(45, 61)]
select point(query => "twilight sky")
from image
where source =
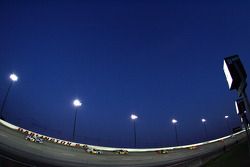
[(157, 59)]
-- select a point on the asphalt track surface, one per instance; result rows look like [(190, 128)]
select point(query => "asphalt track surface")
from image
[(13, 145)]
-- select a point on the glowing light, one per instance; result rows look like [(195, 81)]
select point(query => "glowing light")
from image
[(236, 106), (77, 103), (240, 106), (174, 121), (203, 120), (13, 77), (227, 74), (133, 116), (226, 116)]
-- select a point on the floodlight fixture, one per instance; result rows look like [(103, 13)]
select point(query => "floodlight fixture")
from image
[(13, 77), (77, 103), (174, 121), (203, 120), (133, 116), (227, 123)]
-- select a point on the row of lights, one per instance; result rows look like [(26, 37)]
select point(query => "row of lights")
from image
[(174, 121), (77, 103), (203, 120), (14, 78)]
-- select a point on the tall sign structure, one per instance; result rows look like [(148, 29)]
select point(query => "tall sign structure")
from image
[(235, 73), (236, 78)]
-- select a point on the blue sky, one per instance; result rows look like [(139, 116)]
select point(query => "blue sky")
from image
[(159, 60)]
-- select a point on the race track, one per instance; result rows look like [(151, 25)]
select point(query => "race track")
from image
[(14, 145)]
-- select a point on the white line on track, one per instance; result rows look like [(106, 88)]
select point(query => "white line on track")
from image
[(3, 135)]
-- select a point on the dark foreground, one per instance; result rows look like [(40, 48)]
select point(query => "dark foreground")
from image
[(237, 156)]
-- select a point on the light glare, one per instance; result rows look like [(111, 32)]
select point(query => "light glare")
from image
[(174, 121), (133, 116), (236, 106), (203, 120), (226, 116), (227, 74), (77, 103), (13, 77)]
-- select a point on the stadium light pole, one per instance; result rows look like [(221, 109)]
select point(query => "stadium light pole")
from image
[(228, 126), (133, 118), (174, 122), (14, 78), (203, 120), (77, 103)]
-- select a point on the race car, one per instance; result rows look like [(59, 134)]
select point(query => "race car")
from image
[(93, 151), (192, 148), (30, 138), (38, 139), (162, 151), (85, 147), (121, 152), (35, 139)]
